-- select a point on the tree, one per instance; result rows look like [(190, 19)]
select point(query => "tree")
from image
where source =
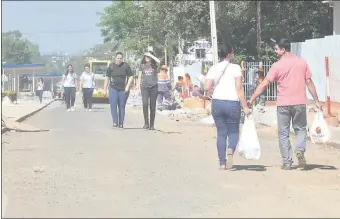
[(132, 22), (17, 50)]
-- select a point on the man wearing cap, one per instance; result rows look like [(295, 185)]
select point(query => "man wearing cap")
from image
[(293, 75)]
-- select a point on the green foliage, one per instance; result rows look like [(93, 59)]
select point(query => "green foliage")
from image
[(12, 95), (131, 23), (17, 50)]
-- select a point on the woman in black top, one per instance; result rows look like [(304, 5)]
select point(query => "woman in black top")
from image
[(147, 84), (117, 75)]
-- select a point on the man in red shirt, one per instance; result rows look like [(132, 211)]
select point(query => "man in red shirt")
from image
[(292, 75)]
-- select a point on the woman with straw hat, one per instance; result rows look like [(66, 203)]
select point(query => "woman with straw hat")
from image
[(147, 86)]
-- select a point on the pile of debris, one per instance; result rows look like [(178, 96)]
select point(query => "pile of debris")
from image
[(191, 109), (134, 100)]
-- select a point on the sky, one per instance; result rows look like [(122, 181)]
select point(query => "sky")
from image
[(64, 26)]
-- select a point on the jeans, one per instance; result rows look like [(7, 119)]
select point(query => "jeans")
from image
[(298, 116), (117, 103), (70, 96), (227, 116), (87, 97), (163, 94), (40, 94), (149, 93)]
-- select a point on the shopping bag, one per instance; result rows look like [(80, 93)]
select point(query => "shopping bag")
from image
[(319, 131), (249, 145)]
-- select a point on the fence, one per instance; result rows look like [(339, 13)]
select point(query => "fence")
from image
[(332, 81), (9, 84), (314, 52), (270, 93)]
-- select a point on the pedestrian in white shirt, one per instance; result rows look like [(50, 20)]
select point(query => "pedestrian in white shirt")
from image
[(228, 97), (70, 83), (40, 89), (87, 83)]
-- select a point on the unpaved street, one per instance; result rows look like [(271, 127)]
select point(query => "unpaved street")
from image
[(84, 168)]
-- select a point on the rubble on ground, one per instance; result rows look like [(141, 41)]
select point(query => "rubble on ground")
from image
[(134, 100)]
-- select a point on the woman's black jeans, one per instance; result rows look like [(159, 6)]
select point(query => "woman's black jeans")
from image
[(87, 97), (70, 96), (227, 116), (149, 93)]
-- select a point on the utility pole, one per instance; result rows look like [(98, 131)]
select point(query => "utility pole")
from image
[(213, 32), (258, 30), (165, 52)]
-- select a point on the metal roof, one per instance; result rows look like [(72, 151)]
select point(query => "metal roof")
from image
[(44, 75), (13, 66)]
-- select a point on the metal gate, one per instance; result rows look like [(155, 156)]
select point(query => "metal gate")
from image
[(270, 93)]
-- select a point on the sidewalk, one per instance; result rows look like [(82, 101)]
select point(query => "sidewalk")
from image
[(18, 111), (269, 118)]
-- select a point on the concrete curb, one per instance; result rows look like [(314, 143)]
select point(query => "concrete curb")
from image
[(34, 112), (21, 119)]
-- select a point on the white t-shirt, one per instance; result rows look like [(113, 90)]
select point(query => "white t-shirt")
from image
[(226, 88), (87, 79), (70, 80), (40, 86)]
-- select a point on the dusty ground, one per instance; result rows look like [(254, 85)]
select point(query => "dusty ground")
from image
[(84, 168)]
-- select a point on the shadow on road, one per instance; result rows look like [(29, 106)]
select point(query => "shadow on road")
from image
[(258, 168), (309, 167), (157, 130)]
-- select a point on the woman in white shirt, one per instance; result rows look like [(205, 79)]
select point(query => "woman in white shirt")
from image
[(40, 88), (70, 83), (228, 97), (87, 82)]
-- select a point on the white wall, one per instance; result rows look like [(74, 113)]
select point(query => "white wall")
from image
[(336, 18), (314, 52)]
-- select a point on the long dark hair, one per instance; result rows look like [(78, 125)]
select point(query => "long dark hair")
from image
[(152, 62), (42, 80), (224, 50), (66, 73)]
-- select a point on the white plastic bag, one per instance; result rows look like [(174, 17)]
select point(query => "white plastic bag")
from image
[(319, 131), (249, 145)]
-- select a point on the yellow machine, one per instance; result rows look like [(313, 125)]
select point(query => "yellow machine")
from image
[(99, 67)]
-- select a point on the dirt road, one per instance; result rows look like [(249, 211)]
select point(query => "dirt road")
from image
[(84, 168)]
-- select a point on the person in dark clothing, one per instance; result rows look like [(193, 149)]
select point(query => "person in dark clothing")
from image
[(147, 85), (117, 74)]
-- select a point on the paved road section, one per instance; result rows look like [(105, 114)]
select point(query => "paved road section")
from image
[(84, 168)]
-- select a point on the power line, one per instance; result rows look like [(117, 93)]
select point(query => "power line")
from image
[(62, 32)]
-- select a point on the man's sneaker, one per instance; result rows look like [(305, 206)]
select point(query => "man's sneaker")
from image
[(286, 167), (230, 161), (146, 126), (68, 110), (301, 158), (115, 125), (72, 109), (90, 110)]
